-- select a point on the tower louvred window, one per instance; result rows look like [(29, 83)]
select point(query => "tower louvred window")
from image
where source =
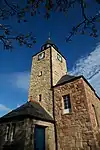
[(41, 56), (59, 57)]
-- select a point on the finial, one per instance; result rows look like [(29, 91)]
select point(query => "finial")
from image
[(49, 36)]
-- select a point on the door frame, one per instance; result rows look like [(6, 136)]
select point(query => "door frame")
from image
[(37, 125)]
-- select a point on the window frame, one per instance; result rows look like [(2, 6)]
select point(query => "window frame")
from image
[(40, 97), (10, 132), (40, 73), (7, 132), (67, 108), (13, 129)]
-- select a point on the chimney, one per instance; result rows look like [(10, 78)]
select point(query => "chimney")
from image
[(30, 98)]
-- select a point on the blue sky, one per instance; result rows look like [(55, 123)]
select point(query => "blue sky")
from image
[(82, 54)]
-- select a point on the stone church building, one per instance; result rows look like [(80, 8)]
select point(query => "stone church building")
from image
[(62, 111)]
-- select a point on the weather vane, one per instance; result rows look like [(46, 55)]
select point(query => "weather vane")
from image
[(49, 38)]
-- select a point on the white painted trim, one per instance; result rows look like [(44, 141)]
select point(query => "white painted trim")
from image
[(66, 111)]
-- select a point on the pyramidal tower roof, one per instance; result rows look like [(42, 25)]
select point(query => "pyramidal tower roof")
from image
[(48, 43)]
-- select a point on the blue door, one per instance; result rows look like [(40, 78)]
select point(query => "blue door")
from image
[(39, 138)]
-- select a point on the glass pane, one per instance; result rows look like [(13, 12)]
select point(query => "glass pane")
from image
[(67, 103)]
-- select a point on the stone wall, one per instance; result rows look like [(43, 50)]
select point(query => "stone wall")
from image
[(2, 135), (58, 68), (24, 135), (49, 134), (41, 84), (93, 100), (18, 142), (93, 103), (74, 129)]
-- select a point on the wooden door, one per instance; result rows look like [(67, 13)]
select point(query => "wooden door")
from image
[(39, 138)]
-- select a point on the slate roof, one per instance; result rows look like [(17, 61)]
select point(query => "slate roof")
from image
[(69, 78), (65, 78), (29, 109), (49, 41)]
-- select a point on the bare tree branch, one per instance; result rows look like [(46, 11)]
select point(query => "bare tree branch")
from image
[(33, 7), (9, 5), (22, 39), (75, 29), (83, 10), (86, 23)]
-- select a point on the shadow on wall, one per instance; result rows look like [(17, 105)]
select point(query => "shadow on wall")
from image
[(17, 144), (98, 138)]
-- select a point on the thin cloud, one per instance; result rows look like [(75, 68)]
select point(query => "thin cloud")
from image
[(95, 81), (4, 108), (20, 80), (89, 66)]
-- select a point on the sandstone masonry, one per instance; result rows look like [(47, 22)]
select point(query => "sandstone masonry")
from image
[(65, 105), (76, 130)]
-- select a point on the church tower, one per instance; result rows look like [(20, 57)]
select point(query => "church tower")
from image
[(48, 66)]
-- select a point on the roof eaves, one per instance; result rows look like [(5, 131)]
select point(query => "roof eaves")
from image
[(49, 47), (37, 53), (88, 83), (61, 54), (13, 115), (91, 87), (81, 76), (67, 81), (42, 119), (25, 116)]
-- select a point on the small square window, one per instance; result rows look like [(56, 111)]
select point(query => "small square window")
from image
[(40, 97), (40, 73), (66, 103)]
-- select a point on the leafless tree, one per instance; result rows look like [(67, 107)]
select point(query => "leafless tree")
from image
[(33, 7)]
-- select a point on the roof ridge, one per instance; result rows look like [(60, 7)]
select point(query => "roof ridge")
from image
[(30, 109)]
